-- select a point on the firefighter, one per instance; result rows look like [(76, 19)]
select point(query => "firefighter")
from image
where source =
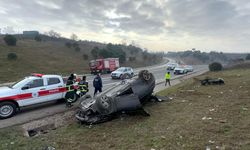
[(167, 78), (83, 86), (70, 95), (97, 83)]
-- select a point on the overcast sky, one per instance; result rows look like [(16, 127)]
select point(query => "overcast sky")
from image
[(221, 25)]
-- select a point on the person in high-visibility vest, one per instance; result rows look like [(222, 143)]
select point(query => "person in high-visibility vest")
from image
[(70, 95), (83, 86), (167, 77)]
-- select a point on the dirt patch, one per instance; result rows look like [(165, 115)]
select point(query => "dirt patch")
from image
[(43, 126)]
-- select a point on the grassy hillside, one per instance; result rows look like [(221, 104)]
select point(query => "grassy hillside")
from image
[(49, 56), (197, 117)]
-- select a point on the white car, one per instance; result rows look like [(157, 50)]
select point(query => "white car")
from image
[(180, 70), (189, 68), (31, 90), (122, 72), (171, 66)]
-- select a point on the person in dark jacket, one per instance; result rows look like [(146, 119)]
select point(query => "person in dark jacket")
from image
[(70, 96), (83, 86), (97, 83)]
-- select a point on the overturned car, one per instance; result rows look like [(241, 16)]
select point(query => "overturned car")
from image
[(127, 96)]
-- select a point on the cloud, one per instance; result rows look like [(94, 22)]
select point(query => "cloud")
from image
[(169, 23)]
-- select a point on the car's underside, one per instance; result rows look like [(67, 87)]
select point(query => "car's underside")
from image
[(127, 96)]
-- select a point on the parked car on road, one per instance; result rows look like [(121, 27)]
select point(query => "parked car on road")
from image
[(31, 90), (171, 66), (122, 73), (180, 70), (189, 68)]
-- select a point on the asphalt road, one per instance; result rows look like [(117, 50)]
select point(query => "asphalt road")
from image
[(44, 110)]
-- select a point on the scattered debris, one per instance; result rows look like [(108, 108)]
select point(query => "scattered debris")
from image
[(212, 142), (49, 148), (223, 121), (187, 90), (221, 92), (208, 148), (206, 118), (244, 108), (211, 109), (210, 81), (163, 137)]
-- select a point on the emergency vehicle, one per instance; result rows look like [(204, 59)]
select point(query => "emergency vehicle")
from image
[(106, 65), (31, 90)]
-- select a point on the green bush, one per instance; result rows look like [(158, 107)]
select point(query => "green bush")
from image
[(68, 44), (10, 40), (12, 56), (77, 49), (75, 45), (215, 66), (38, 38)]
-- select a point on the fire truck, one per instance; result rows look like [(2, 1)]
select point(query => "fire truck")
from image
[(106, 65)]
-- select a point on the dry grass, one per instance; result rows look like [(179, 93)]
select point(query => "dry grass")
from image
[(50, 57), (177, 124)]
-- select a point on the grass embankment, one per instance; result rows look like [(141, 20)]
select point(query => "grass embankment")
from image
[(50, 57), (197, 117)]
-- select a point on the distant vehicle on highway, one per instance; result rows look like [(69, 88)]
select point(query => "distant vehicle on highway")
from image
[(33, 89), (180, 70), (106, 65), (122, 73), (189, 68), (171, 66)]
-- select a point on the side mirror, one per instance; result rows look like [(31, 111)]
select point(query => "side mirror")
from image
[(25, 87)]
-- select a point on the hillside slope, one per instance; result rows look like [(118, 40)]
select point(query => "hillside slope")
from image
[(50, 56)]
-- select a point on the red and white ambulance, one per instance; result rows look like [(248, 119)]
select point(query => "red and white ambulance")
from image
[(33, 89)]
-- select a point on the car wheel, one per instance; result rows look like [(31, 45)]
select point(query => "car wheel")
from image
[(145, 75), (121, 76), (7, 110)]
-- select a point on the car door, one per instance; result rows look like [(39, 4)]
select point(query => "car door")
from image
[(30, 92), (125, 70), (131, 71), (54, 88)]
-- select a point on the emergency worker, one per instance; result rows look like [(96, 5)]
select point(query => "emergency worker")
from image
[(83, 86), (70, 96), (167, 78), (97, 83)]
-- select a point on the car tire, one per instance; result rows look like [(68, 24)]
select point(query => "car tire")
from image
[(120, 77), (145, 75), (7, 110)]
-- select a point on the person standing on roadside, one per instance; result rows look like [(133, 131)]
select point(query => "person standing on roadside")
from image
[(83, 86), (70, 94), (97, 83), (167, 77)]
